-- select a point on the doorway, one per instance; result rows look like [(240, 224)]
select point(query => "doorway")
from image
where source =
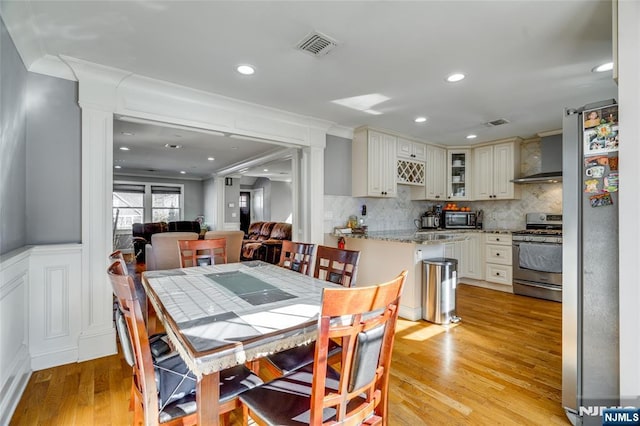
[(245, 211)]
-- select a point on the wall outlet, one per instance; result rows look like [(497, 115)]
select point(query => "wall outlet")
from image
[(233, 214)]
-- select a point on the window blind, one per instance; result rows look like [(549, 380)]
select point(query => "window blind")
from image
[(157, 189), (128, 187)]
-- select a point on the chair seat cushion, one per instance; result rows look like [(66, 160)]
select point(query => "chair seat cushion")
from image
[(177, 384), (300, 356), (287, 400)]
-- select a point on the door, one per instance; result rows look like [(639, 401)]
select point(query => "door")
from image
[(245, 211)]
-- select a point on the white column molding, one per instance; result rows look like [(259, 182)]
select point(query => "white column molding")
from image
[(97, 336), (218, 184)]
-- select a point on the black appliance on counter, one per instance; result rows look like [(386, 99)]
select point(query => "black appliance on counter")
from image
[(456, 219)]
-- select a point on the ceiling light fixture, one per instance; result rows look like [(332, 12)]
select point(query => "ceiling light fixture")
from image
[(245, 69), (472, 136), (420, 119), (124, 148), (210, 158), (182, 172), (603, 67), (117, 167), (455, 77), (265, 170), (172, 146)]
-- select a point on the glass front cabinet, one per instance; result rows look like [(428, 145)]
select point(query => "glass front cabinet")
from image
[(458, 174)]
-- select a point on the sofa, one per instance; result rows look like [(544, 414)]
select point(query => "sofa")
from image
[(142, 233), (264, 241)]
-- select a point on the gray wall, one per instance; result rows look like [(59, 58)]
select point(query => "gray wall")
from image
[(193, 192), (232, 195), (281, 201), (209, 203), (337, 166), (13, 157), (54, 161), (265, 184)]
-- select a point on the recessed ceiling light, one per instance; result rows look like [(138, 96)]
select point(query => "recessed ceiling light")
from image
[(127, 133), (245, 69), (603, 67), (210, 158), (472, 136), (420, 119), (265, 170), (455, 77), (117, 167), (172, 146), (124, 148), (182, 172)]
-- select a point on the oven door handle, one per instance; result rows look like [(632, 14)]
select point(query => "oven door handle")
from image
[(537, 285)]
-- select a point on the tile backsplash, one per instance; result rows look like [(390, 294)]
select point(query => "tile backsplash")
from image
[(400, 212)]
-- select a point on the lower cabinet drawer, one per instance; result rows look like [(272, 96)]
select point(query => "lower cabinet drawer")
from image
[(500, 274), (498, 254)]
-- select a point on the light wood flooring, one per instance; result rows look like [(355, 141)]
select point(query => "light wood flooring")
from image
[(500, 365)]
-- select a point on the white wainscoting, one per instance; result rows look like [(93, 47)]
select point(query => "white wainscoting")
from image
[(15, 362), (41, 315), (55, 304)]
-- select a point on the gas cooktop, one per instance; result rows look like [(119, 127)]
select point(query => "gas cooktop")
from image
[(542, 228)]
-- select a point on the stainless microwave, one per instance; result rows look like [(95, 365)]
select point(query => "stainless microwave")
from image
[(459, 220)]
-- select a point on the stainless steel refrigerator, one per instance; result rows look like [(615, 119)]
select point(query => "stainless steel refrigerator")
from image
[(590, 349)]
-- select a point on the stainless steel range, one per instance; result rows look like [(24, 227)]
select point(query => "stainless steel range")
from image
[(537, 257)]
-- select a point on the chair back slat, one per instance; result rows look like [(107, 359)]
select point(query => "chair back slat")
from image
[(296, 256), (339, 266), (117, 256), (367, 342), (202, 252)]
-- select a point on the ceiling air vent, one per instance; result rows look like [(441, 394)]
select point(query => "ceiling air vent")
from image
[(498, 122), (316, 44)]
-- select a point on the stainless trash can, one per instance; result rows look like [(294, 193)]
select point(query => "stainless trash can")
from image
[(439, 281)]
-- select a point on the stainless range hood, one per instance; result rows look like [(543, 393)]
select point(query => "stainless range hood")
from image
[(551, 162)]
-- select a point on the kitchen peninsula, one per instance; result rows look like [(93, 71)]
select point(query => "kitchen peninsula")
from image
[(385, 253)]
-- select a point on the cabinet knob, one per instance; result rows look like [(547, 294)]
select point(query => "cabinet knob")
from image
[(497, 239), (498, 274), (497, 254)]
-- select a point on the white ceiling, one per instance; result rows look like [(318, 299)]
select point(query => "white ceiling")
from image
[(524, 60)]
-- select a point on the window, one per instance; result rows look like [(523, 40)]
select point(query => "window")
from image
[(135, 202)]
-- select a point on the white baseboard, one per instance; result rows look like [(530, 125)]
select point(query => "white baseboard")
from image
[(411, 314), (12, 390), (54, 359), (97, 344)]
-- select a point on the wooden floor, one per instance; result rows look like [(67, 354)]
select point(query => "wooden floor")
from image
[(500, 366)]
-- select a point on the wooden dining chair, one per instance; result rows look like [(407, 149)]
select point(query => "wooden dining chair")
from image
[(202, 252), (296, 256), (357, 391), (336, 265), (119, 257), (163, 390), (340, 266)]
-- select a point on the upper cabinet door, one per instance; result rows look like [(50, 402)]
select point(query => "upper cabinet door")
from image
[(373, 161), (494, 168), (436, 185), (412, 150), (458, 174)]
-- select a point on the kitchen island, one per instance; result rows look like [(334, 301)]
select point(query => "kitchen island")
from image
[(384, 254)]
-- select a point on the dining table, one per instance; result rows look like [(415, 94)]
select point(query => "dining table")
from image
[(220, 316)]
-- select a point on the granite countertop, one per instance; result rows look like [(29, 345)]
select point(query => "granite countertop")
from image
[(422, 237)]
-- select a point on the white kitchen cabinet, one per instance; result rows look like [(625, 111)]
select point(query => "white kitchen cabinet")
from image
[(373, 164), (435, 185), (411, 150), (472, 263), (494, 166), (498, 267), (458, 174)]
